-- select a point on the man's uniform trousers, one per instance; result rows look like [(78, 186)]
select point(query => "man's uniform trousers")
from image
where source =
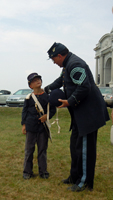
[(83, 157)]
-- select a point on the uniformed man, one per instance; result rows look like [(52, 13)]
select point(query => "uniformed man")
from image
[(88, 113)]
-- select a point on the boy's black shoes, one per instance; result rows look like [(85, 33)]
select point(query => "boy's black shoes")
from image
[(44, 175), (28, 176), (68, 180)]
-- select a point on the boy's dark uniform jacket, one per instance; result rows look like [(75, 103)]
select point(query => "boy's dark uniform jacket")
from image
[(86, 102), (30, 116)]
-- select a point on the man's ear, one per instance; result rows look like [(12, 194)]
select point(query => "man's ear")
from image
[(59, 55)]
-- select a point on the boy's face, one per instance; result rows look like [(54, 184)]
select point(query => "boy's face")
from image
[(35, 83)]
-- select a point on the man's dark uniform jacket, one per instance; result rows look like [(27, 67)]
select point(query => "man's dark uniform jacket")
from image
[(84, 97)]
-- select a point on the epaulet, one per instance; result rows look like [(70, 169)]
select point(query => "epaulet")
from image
[(28, 96)]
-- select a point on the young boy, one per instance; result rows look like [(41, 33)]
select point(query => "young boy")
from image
[(32, 126)]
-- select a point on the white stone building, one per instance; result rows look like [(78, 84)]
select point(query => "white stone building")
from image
[(104, 60)]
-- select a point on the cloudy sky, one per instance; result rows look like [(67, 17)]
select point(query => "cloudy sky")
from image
[(28, 29)]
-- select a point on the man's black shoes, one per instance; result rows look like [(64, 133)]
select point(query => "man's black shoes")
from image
[(76, 188), (68, 180)]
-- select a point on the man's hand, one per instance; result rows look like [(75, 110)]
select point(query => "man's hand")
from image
[(43, 118), (24, 129), (64, 103)]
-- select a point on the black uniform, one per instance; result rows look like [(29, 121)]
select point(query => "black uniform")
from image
[(35, 133), (88, 113)]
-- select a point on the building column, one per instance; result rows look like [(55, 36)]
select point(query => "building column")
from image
[(96, 74), (101, 70), (112, 67), (111, 82)]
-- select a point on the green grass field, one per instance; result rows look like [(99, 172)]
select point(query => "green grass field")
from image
[(12, 143)]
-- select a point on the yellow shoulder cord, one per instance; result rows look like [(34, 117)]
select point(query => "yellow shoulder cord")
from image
[(41, 110)]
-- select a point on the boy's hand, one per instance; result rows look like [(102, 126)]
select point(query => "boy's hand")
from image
[(43, 118), (24, 129)]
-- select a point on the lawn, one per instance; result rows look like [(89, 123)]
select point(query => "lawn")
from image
[(12, 143)]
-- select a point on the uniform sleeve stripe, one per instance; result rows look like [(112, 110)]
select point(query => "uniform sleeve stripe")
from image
[(82, 77), (75, 99)]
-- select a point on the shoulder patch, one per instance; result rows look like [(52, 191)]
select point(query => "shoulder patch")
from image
[(28, 96)]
